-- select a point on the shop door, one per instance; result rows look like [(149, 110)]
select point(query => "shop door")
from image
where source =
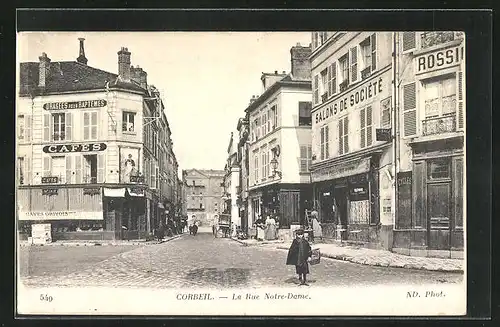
[(326, 206), (341, 200), (438, 215)]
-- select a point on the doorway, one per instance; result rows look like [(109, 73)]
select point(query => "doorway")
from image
[(340, 196), (438, 215)]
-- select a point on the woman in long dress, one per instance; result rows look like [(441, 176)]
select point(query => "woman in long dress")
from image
[(270, 233), (259, 224), (317, 230)]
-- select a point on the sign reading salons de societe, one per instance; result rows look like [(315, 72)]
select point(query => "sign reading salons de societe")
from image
[(75, 105), (67, 148)]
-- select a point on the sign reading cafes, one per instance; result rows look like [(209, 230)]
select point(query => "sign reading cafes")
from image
[(66, 148), (355, 98), (75, 105)]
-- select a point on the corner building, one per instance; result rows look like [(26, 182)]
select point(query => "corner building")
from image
[(350, 171), (431, 98)]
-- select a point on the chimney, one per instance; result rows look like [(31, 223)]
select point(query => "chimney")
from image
[(124, 64), (81, 58), (252, 100), (140, 76), (301, 66), (44, 69)]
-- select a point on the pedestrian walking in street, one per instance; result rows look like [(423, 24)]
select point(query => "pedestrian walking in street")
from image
[(259, 224), (270, 231), (317, 230), (298, 255)]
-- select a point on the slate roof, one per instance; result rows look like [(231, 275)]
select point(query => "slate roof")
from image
[(69, 76)]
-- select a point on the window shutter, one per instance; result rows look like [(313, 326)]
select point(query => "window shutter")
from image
[(327, 142), (28, 128), (303, 158), (409, 41), (329, 78), (362, 114), (78, 169), (69, 169), (341, 136), (315, 88), (460, 108), (69, 129), (322, 143), (346, 133), (333, 69), (101, 168), (93, 122), (47, 166), (409, 109), (458, 192), (373, 43), (86, 126), (46, 128), (28, 175), (419, 208), (354, 64), (369, 137)]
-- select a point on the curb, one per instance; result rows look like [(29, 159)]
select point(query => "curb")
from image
[(345, 257), (256, 244), (145, 243)]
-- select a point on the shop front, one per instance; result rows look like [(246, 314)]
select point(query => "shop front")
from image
[(346, 194)]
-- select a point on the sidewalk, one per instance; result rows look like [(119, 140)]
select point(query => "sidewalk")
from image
[(384, 258), (254, 242), (101, 243)]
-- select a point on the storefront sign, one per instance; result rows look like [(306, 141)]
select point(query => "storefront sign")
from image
[(91, 190), (75, 105), (383, 134), (404, 180), (67, 148), (358, 192), (136, 179), (349, 168), (50, 180), (60, 215), (356, 98), (129, 164), (41, 233), (439, 59), (136, 191), (50, 191)]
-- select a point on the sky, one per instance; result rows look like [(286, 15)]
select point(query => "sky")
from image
[(206, 78)]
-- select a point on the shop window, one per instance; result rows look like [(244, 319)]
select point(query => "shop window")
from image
[(438, 168), (90, 169), (90, 125), (128, 122), (305, 113)]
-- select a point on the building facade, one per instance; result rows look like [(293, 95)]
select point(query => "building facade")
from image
[(243, 163), (351, 169), (203, 194), (431, 170), (280, 134), (231, 193), (82, 163)]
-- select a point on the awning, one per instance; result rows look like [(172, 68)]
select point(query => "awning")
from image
[(114, 192), (136, 192)]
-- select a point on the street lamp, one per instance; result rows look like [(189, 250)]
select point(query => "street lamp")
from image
[(274, 165)]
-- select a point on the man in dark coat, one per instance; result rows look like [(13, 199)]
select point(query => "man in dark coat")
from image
[(298, 254)]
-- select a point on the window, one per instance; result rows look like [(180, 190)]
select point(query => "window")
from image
[(315, 41), (24, 127), (305, 113), (128, 124), (324, 85), (354, 64), (201, 205), (58, 127), (332, 81), (323, 36), (90, 169), (385, 112), (264, 124), (305, 158), (316, 89), (438, 168), (366, 127), (274, 111), (153, 174), (343, 135), (440, 97), (264, 165), (256, 168), (20, 165), (344, 70), (325, 141), (270, 121), (58, 168), (90, 125)]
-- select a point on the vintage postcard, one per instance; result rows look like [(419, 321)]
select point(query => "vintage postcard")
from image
[(241, 173)]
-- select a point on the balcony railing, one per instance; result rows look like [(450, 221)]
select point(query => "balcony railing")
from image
[(365, 73), (343, 86), (439, 125), (429, 39), (89, 180), (324, 97)]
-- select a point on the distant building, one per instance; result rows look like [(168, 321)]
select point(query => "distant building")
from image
[(87, 160), (231, 182), (203, 193), (280, 145), (243, 163)]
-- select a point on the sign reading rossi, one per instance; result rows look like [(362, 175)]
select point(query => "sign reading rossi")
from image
[(356, 98), (75, 105), (341, 170), (439, 59), (63, 148)]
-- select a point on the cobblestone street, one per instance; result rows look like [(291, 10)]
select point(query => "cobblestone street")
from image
[(199, 261)]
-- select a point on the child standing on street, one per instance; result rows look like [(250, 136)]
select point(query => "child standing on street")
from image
[(298, 254)]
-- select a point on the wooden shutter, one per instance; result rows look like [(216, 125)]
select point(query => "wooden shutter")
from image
[(346, 134), (68, 126), (315, 84), (458, 188), (333, 85), (28, 126), (327, 142), (461, 101), (78, 169), (419, 209), (341, 136), (86, 125), (322, 143), (47, 136), (303, 158), (28, 174), (47, 166), (94, 123), (362, 115), (354, 64), (69, 169), (369, 137), (101, 168), (329, 81), (373, 42), (409, 109), (409, 41)]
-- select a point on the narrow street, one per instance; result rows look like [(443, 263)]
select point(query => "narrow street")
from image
[(199, 261)]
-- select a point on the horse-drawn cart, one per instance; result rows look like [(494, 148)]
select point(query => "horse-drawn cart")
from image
[(224, 223)]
